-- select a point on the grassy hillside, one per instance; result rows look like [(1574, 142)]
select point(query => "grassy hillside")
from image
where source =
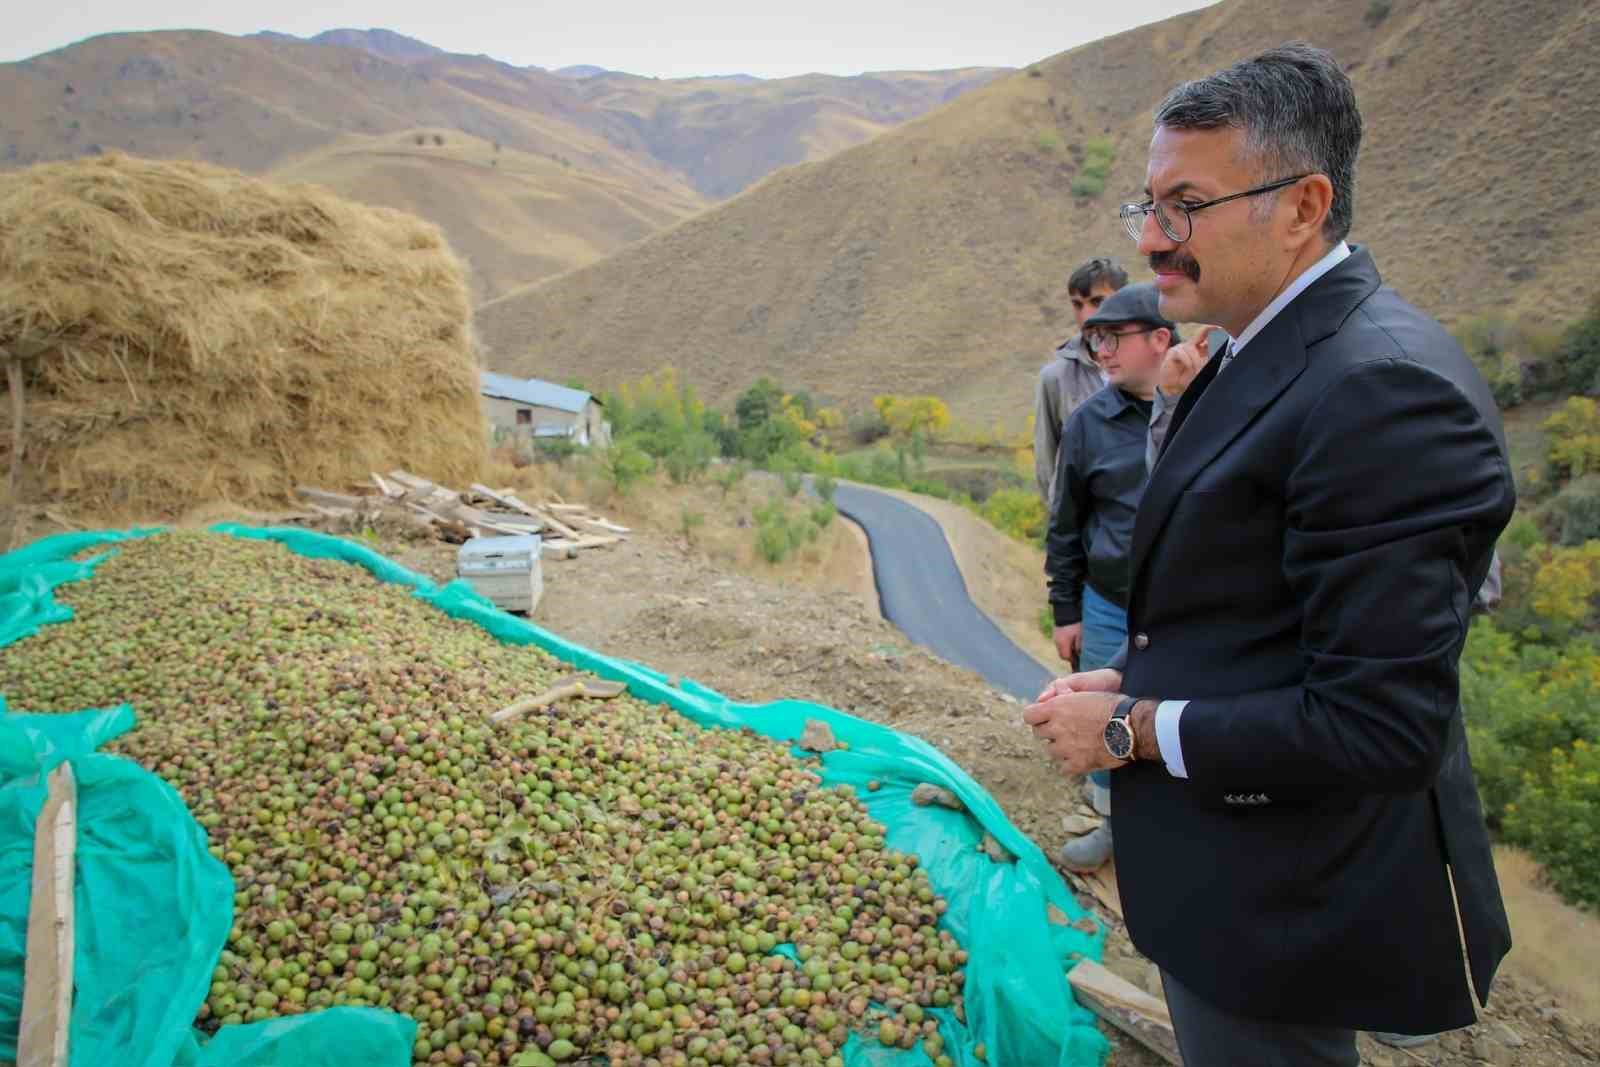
[(933, 258), (516, 215)]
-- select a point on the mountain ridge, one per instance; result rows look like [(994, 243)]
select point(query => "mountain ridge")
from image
[(932, 259)]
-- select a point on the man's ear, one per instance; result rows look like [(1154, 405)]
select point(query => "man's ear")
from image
[(1165, 335), (1311, 200)]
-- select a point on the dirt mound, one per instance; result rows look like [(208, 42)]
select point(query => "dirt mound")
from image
[(190, 334)]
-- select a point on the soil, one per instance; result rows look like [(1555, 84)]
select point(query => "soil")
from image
[(758, 633)]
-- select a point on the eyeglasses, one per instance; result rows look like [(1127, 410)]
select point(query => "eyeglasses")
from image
[(1175, 217), (1104, 342)]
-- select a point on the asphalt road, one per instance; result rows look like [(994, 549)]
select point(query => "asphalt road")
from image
[(922, 592)]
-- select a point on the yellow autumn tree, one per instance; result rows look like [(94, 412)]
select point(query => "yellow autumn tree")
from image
[(1572, 444), (911, 416)]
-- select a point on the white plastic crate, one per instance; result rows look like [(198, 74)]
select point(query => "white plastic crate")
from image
[(507, 570)]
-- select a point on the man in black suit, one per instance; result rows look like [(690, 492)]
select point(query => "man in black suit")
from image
[(1299, 843)]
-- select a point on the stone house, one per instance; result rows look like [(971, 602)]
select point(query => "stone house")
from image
[(530, 408)]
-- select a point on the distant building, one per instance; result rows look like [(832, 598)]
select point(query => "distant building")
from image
[(530, 408)]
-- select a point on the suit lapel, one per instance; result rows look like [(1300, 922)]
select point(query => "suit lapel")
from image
[(1222, 408), (1227, 402)]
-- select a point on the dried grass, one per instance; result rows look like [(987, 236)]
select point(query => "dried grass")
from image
[(1551, 941), (216, 337)]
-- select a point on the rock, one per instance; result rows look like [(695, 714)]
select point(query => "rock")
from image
[(1489, 1050), (1079, 824), (817, 737), (1507, 1036), (927, 793), (995, 850)]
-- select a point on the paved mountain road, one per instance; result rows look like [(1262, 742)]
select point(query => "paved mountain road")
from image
[(921, 591)]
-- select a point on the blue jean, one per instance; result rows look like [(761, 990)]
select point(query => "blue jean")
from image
[(1105, 628)]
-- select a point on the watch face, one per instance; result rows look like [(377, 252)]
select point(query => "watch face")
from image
[(1119, 739)]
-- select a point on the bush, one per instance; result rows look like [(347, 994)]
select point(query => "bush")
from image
[(778, 533), (868, 428), (1572, 441), (1017, 512), (688, 459), (731, 475), (623, 464), (1048, 141), (1578, 352), (1377, 11), (1091, 179), (1557, 818), (688, 522), (1576, 511), (554, 449), (825, 485), (823, 514)]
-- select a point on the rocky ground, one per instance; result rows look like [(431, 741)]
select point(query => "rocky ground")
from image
[(756, 634)]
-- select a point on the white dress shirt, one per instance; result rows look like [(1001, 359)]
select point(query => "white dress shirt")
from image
[(1170, 712)]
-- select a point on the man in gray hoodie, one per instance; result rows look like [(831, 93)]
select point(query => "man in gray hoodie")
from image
[(1072, 375)]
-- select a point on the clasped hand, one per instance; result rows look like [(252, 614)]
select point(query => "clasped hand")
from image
[(1070, 717)]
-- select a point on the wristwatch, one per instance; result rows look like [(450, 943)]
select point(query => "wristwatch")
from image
[(1119, 735)]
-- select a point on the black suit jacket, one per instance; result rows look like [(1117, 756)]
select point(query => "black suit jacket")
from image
[(1303, 567)]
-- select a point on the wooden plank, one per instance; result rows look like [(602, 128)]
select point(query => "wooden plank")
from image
[(386, 487), (558, 549), (568, 509), (565, 689), (322, 497), (1127, 1007), (409, 481), (599, 527), (557, 525), (1103, 885), (47, 967), (506, 499), (596, 542)]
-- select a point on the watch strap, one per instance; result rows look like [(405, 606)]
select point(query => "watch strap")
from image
[(1125, 707)]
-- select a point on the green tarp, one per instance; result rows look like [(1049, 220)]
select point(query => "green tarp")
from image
[(1018, 1006)]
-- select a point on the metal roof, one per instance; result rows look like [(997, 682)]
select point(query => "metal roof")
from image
[(536, 393)]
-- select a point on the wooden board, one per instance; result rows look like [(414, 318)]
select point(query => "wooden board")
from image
[(1127, 1007), (47, 967), (324, 498), (1103, 884)]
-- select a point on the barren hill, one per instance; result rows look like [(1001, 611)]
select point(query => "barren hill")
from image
[(583, 167), (727, 133), (351, 120), (933, 258)]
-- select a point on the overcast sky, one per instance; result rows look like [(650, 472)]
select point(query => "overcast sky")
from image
[(666, 38)]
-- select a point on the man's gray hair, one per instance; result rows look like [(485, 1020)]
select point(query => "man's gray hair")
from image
[(1298, 112)]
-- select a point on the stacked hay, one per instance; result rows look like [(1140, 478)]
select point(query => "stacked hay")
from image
[(196, 335)]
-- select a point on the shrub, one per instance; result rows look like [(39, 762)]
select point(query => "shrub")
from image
[(823, 514), (1048, 141), (825, 485), (1578, 352), (1576, 511), (1085, 185), (1572, 442), (868, 427), (1377, 11), (772, 541), (688, 522), (731, 475), (1091, 179), (554, 449), (623, 464), (689, 457), (1017, 512), (793, 481), (1557, 817)]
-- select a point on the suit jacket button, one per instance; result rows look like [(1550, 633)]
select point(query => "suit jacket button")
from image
[(1141, 641)]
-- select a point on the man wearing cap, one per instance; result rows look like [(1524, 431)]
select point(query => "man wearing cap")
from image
[(1099, 479)]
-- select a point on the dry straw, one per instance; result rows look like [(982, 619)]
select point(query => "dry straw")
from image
[(209, 336)]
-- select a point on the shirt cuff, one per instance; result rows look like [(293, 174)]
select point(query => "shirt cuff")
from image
[(1168, 712)]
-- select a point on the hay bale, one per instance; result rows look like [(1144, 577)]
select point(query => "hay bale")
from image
[(210, 336)]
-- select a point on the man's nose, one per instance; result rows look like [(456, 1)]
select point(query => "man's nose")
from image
[(1152, 238)]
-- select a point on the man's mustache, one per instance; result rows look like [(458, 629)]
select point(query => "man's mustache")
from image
[(1173, 263)]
